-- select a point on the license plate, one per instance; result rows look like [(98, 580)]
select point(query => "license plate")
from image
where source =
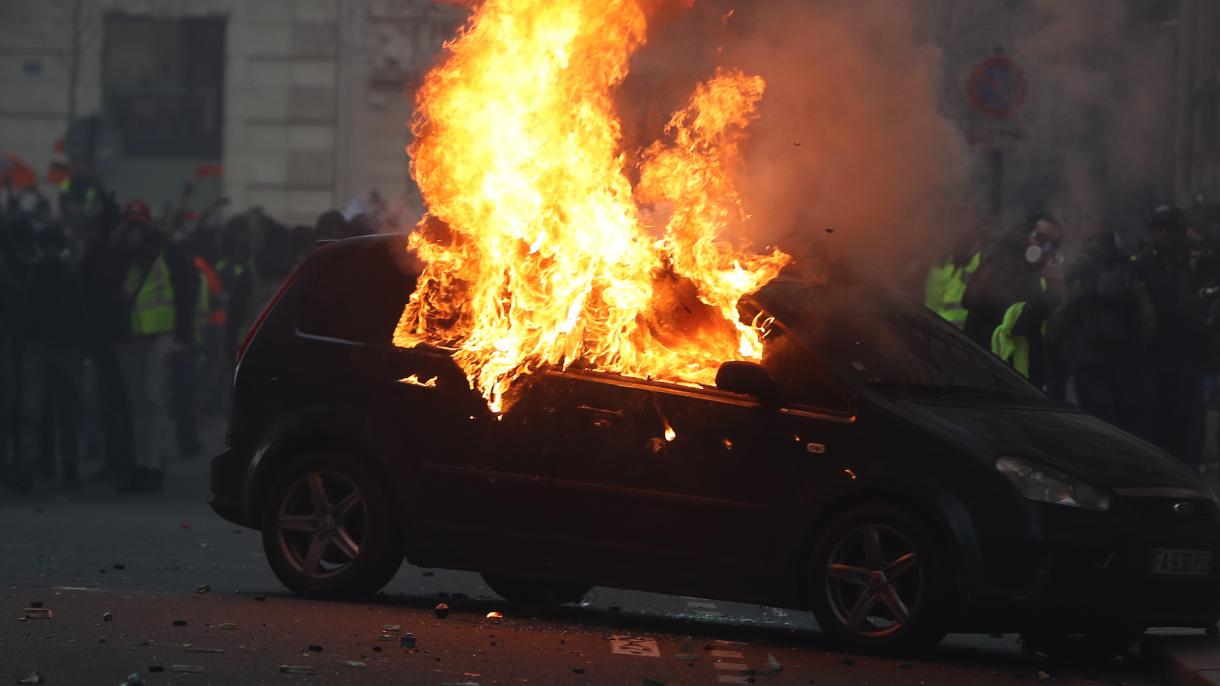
[(1180, 562)]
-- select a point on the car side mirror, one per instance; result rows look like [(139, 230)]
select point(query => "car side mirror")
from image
[(747, 378)]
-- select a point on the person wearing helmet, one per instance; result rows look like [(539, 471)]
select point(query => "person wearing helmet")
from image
[(160, 286), (1173, 357)]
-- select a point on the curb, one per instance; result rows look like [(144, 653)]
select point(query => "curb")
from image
[(1187, 660)]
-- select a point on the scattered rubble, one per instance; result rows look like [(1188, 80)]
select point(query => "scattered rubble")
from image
[(297, 669), (185, 669), (773, 665), (133, 679), (156, 669), (179, 622), (35, 603), (107, 617), (406, 641), (203, 589), (441, 610), (392, 627), (226, 626), (192, 648), (315, 648), (1043, 676), (354, 663), (34, 678), (38, 613)]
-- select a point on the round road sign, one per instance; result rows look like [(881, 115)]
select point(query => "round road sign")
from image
[(997, 87)]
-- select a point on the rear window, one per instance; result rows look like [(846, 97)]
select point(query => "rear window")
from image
[(359, 296)]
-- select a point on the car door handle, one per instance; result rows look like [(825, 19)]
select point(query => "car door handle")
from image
[(601, 418)]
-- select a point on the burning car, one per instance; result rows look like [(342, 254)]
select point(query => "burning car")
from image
[(873, 466)]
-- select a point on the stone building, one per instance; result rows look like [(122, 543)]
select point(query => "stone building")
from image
[(300, 105), (1197, 148)]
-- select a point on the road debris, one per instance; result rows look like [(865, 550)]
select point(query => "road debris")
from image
[(203, 589), (156, 669), (39, 613), (406, 641), (185, 669), (192, 648), (34, 678), (354, 663), (315, 648), (133, 679), (1043, 676), (392, 627), (179, 622), (35, 603), (226, 626), (686, 651), (773, 665), (495, 617), (107, 617), (297, 669), (578, 670), (386, 637), (441, 610)]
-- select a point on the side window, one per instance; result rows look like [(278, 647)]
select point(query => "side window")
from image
[(801, 380), (359, 297)]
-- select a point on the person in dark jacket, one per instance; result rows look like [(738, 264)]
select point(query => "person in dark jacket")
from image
[(16, 250), (1173, 367), (161, 288), (52, 356), (1007, 298), (1102, 329), (101, 273)]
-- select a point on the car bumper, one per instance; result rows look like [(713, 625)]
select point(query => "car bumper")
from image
[(1091, 570)]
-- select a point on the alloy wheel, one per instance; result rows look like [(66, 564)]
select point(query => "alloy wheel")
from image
[(874, 581), (321, 524)]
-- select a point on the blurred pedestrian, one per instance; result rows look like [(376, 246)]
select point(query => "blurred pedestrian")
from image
[(53, 357), (1102, 328), (102, 272), (161, 286), (946, 282), (1007, 300), (14, 234), (1173, 364)]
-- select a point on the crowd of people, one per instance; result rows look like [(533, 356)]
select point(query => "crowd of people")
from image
[(119, 327), (1131, 337)]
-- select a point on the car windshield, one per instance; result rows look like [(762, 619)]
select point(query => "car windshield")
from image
[(889, 343)]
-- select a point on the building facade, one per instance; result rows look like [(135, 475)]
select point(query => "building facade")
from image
[(1197, 149), (295, 106)]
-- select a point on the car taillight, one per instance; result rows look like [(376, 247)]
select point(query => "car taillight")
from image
[(262, 316)]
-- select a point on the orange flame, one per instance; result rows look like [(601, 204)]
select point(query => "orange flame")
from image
[(536, 252)]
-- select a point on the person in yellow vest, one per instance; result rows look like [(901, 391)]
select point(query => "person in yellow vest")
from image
[(945, 284), (161, 288), (1008, 300)]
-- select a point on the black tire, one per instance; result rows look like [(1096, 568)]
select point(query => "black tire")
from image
[(347, 548), (536, 591), (898, 598)]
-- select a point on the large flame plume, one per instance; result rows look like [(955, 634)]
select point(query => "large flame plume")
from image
[(536, 247)]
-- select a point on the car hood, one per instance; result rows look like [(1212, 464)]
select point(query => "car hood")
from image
[(1055, 436)]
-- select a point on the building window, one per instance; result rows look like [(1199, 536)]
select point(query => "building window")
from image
[(163, 84)]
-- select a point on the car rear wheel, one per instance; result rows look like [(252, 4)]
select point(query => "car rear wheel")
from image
[(328, 530), (879, 582), (536, 591)]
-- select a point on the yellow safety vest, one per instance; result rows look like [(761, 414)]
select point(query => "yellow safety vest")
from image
[(152, 309), (945, 286), (1012, 349)]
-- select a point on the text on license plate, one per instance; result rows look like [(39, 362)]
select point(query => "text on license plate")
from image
[(1180, 562)]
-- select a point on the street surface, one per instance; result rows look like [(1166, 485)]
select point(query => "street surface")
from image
[(184, 588)]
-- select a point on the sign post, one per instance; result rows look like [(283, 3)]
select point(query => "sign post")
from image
[(997, 88)]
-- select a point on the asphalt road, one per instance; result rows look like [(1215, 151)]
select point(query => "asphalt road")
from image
[(145, 561)]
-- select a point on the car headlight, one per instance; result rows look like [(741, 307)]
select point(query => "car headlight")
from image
[(1048, 486)]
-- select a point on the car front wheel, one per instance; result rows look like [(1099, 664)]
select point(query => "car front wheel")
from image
[(879, 581), (327, 528)]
